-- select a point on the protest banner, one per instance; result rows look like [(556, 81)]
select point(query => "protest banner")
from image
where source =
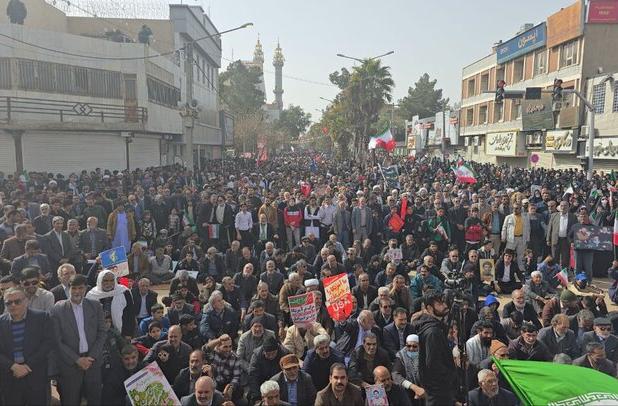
[(338, 296), (150, 387), (376, 395), (591, 237), (302, 309), (116, 261), (395, 254)]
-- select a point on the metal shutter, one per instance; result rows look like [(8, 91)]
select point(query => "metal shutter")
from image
[(144, 153), (72, 152), (7, 153)]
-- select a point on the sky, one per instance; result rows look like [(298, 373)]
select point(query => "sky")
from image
[(437, 37)]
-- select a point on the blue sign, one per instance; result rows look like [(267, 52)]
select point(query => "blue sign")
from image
[(534, 38)]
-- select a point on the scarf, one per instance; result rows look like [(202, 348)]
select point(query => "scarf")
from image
[(119, 301), (411, 366)]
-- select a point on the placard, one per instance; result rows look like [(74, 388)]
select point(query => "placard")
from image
[(591, 237), (338, 296), (150, 387), (303, 310), (395, 254), (116, 261), (487, 266), (376, 395)]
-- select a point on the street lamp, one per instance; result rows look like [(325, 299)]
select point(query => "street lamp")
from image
[(328, 100), (366, 59)]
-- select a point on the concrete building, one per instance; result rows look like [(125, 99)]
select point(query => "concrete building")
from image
[(571, 44), (83, 92)]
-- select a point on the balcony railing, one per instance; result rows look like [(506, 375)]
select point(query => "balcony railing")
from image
[(14, 109)]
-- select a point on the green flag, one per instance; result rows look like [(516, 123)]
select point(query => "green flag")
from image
[(547, 383)]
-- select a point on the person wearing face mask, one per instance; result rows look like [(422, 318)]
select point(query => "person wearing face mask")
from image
[(116, 300), (602, 334), (406, 370)]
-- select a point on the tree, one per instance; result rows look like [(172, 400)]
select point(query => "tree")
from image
[(364, 92), (293, 121), (239, 90), (423, 100)]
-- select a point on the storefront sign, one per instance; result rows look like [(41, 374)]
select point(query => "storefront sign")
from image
[(565, 25), (603, 12), (560, 142), (605, 148), (501, 144), (537, 114), (522, 44)]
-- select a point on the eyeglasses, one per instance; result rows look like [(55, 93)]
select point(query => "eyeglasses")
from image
[(15, 302), (30, 283), (604, 328)]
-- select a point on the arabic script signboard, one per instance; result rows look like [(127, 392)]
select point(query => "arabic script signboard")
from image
[(522, 44)]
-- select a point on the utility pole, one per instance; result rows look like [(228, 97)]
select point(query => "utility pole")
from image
[(443, 140), (188, 114)]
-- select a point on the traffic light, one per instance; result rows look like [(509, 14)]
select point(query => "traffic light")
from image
[(500, 91), (557, 92)]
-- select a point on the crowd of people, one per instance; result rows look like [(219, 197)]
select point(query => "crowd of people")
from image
[(229, 244)]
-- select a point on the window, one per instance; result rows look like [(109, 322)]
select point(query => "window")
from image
[(568, 54), (471, 87), (598, 98), (498, 112), (68, 79), (162, 93), (615, 104), (469, 116), (485, 82), (483, 115), (516, 109), (5, 73), (540, 62), (518, 70), (499, 73)]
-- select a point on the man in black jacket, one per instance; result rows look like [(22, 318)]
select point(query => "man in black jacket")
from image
[(365, 358), (364, 292), (264, 364), (395, 333), (350, 338), (527, 347), (519, 303), (184, 384), (205, 394), (291, 373), (114, 392), (143, 299), (489, 392), (559, 338), (436, 365)]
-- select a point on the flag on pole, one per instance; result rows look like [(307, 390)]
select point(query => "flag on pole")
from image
[(569, 190), (563, 277), (384, 140), (548, 383), (464, 174)]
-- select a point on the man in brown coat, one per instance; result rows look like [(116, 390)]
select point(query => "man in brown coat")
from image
[(16, 245), (339, 391)]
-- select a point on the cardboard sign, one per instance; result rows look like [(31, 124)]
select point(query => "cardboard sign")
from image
[(116, 261), (591, 237), (150, 387), (338, 296), (303, 310), (376, 395)]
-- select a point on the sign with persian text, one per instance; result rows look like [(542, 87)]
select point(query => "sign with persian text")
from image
[(537, 114), (522, 44), (501, 144)]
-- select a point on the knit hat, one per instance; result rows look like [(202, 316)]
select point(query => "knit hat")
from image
[(495, 346), (270, 344), (490, 299), (567, 296)]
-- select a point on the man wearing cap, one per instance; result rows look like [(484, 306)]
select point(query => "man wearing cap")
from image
[(339, 391), (602, 334), (264, 364), (252, 339), (406, 370), (568, 303), (296, 386)]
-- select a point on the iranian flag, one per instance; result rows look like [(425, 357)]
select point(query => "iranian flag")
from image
[(465, 174), (563, 277), (547, 383), (384, 140)]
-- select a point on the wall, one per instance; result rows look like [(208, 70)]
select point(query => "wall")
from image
[(600, 48)]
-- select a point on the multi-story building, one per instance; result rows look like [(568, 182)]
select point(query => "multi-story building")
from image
[(572, 45), (84, 92)]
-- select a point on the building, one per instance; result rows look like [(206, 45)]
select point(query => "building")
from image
[(436, 136), (85, 92), (571, 45)]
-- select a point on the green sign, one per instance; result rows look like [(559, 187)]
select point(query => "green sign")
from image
[(537, 114)]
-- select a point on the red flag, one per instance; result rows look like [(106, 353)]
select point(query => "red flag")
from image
[(404, 208)]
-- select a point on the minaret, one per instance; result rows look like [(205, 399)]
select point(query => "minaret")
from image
[(278, 61), (258, 54)]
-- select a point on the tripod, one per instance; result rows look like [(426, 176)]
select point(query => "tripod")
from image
[(457, 315)]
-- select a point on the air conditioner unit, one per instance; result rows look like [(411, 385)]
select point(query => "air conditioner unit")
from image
[(466, 141)]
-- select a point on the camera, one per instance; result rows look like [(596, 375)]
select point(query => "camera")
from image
[(454, 280)]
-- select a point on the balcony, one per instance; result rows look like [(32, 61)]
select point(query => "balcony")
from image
[(21, 113)]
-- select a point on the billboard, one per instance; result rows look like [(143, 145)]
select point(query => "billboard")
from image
[(537, 114), (603, 12), (505, 143), (565, 25), (605, 148), (522, 44), (560, 142)]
